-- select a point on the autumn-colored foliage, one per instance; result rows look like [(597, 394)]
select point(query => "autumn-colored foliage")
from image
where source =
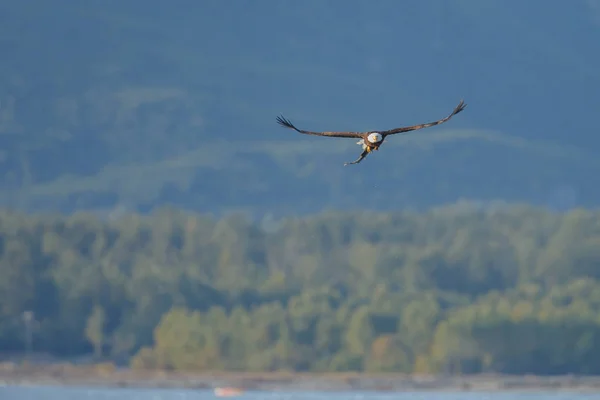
[(455, 290)]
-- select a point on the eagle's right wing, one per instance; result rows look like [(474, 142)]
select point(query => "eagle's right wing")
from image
[(287, 124), (461, 106)]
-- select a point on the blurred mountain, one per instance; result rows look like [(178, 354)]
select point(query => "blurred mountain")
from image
[(113, 105)]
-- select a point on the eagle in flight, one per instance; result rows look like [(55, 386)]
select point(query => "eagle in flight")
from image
[(371, 140)]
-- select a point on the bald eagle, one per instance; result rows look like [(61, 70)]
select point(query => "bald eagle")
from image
[(371, 140)]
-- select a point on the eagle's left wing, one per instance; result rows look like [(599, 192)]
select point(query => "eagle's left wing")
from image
[(287, 124), (461, 106)]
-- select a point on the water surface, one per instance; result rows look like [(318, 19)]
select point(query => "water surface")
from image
[(85, 393)]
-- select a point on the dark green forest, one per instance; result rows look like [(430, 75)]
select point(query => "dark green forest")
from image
[(456, 289)]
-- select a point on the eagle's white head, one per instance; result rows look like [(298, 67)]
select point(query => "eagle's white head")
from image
[(374, 137)]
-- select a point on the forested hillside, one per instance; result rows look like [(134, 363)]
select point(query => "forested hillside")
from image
[(133, 105), (458, 289)]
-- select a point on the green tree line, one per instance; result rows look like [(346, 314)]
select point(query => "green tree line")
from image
[(457, 289)]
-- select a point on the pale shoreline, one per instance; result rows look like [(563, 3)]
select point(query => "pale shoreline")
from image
[(61, 375)]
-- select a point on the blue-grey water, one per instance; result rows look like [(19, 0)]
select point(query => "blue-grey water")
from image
[(71, 393)]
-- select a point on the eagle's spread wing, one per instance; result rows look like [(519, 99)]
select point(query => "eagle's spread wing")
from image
[(461, 106), (286, 123)]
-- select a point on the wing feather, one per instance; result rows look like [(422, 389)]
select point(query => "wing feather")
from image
[(461, 106), (287, 124)]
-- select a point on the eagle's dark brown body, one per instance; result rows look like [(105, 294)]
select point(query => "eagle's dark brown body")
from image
[(372, 140)]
